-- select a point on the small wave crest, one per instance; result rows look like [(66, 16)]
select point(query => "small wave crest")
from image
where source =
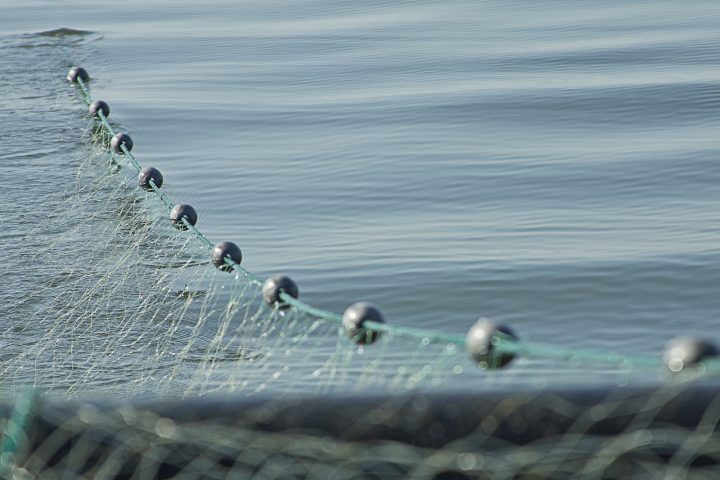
[(63, 32)]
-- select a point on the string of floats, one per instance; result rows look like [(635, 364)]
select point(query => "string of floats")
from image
[(489, 344)]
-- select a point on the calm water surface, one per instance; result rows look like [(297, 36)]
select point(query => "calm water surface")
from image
[(554, 165)]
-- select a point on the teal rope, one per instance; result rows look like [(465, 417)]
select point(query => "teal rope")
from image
[(161, 195), (245, 273), (15, 429), (105, 124), (425, 335), (304, 307), (501, 344), (85, 91), (135, 164), (202, 238), (549, 352)]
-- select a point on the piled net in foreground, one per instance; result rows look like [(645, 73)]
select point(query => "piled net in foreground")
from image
[(668, 432), (140, 310)]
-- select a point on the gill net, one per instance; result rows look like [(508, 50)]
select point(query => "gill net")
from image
[(119, 303)]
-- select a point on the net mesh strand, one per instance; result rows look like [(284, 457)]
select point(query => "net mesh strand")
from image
[(124, 305)]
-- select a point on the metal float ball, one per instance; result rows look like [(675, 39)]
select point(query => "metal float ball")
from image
[(683, 352), (99, 106), (147, 174), (77, 72), (354, 318), (276, 285), (121, 139), (479, 344), (181, 211), (225, 250)]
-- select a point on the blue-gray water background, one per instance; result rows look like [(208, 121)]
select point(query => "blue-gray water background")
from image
[(554, 165)]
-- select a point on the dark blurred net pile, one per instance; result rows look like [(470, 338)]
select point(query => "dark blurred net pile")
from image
[(669, 432)]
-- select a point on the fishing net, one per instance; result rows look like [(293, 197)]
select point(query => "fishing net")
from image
[(667, 432), (120, 303)]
